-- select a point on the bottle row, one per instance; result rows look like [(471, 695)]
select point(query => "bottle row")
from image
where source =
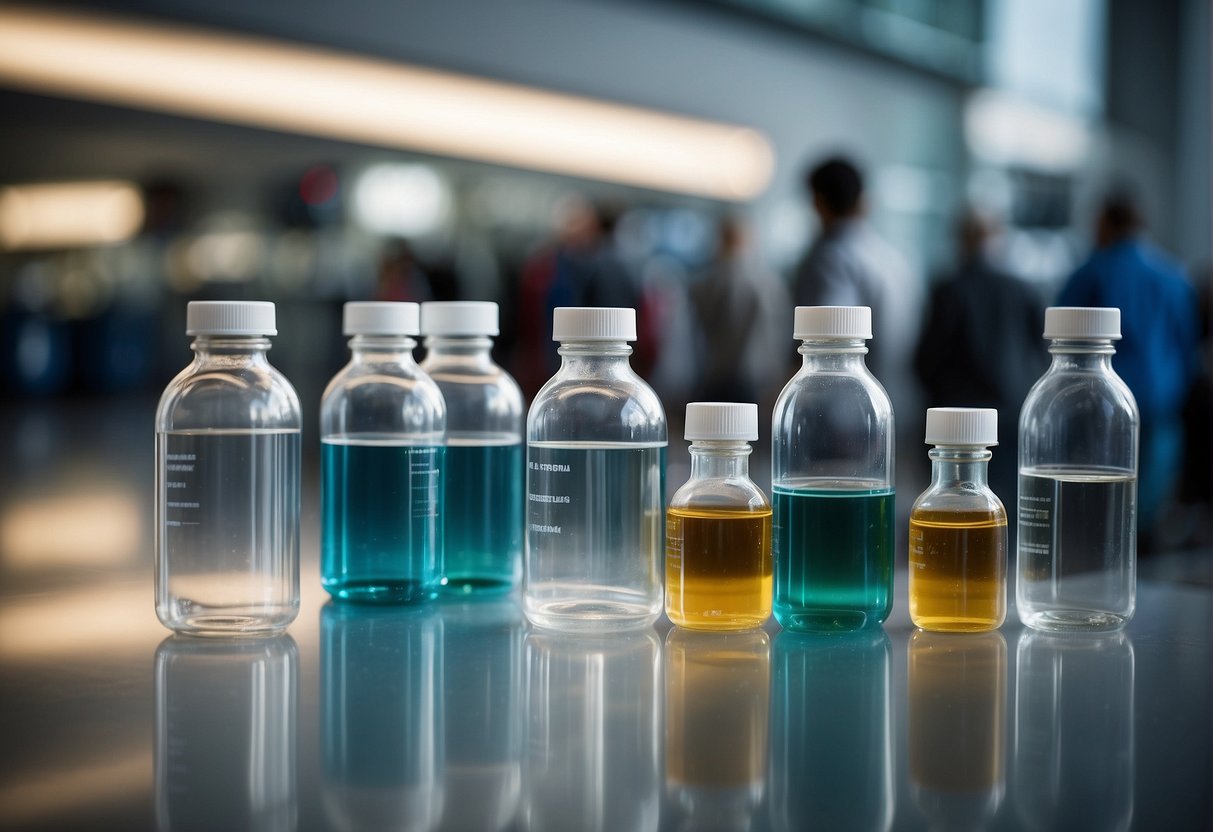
[(430, 484)]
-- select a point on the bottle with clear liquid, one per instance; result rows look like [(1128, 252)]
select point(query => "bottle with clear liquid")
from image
[(482, 508), (596, 446), (1078, 441), (718, 528), (382, 433), (958, 528), (227, 480), (832, 480)]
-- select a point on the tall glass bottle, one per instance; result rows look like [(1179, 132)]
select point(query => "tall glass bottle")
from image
[(482, 507), (596, 445), (227, 480), (958, 528), (382, 427), (1078, 441), (832, 479), (718, 529)]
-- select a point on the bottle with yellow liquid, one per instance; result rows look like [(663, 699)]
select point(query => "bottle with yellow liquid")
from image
[(718, 529), (958, 528)]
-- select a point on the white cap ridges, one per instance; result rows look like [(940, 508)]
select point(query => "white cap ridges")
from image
[(230, 317), (976, 426), (722, 420), (592, 323), (832, 322), (380, 318), (1081, 322), (459, 317)]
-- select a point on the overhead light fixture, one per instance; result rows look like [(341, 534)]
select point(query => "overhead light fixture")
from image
[(1003, 129), (68, 214), (243, 80)]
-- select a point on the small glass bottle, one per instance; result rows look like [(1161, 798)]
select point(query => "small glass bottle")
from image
[(227, 480), (958, 528), (596, 446), (382, 429), (1078, 441), (832, 480), (482, 508), (718, 528)]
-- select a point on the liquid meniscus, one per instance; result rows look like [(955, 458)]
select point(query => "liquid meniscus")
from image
[(833, 551), (482, 514), (958, 569), (718, 567)]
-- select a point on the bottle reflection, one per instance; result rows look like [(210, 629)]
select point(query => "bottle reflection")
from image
[(381, 716), (1074, 731), (482, 668), (831, 744), (225, 734), (957, 727), (592, 732), (717, 688)]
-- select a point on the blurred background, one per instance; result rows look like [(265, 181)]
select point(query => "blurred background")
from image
[(654, 153)]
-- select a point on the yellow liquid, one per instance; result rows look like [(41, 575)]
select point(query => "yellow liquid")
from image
[(718, 568), (958, 570)]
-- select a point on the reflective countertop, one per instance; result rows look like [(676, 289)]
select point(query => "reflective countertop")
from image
[(457, 715)]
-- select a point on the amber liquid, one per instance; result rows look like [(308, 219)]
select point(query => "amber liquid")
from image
[(958, 570), (718, 568)]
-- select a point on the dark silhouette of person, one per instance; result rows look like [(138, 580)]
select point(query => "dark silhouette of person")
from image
[(1158, 354)]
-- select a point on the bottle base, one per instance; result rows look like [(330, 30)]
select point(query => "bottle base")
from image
[(1074, 621), (957, 625), (590, 616), (827, 621), (231, 624), (381, 592), (458, 587), (717, 624)]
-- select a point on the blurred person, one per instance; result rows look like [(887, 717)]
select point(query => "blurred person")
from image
[(981, 344), (401, 277), (739, 309), (1158, 354)]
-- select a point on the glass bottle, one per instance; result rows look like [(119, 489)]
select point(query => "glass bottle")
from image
[(958, 528), (482, 507), (718, 528), (596, 446), (382, 429), (1078, 441), (832, 480), (227, 480)]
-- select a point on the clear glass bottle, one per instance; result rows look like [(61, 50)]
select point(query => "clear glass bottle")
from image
[(718, 528), (596, 446), (482, 508), (1078, 441), (382, 430), (958, 528), (227, 480), (832, 480)]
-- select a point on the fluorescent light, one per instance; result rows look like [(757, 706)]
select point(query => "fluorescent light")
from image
[(305, 90), (68, 214), (410, 200), (1003, 129)]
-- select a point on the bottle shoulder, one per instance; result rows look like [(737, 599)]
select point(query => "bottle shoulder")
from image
[(619, 408), (965, 500), (229, 396), (809, 395), (739, 493), (364, 398)]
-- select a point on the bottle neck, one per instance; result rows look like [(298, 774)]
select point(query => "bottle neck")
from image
[(959, 464), (719, 459), (382, 348), (834, 354), (471, 350), (1092, 355), (596, 357), (227, 349)]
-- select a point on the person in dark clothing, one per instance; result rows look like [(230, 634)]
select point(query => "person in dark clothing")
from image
[(981, 346)]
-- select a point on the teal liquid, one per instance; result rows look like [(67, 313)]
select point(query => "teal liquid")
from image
[(380, 510), (833, 552), (482, 517)]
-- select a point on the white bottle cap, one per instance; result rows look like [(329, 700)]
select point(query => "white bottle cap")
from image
[(459, 317), (832, 322), (962, 426), (1082, 322), (722, 420), (230, 317), (380, 318), (592, 323)]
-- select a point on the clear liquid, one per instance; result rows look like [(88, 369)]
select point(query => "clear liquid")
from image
[(595, 529), (832, 543), (227, 530), (482, 515), (380, 534), (1077, 548)]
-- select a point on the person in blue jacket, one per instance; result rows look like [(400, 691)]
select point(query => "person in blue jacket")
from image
[(1158, 354)]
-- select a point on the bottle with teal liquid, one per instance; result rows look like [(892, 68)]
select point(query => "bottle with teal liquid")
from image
[(832, 480), (383, 434)]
